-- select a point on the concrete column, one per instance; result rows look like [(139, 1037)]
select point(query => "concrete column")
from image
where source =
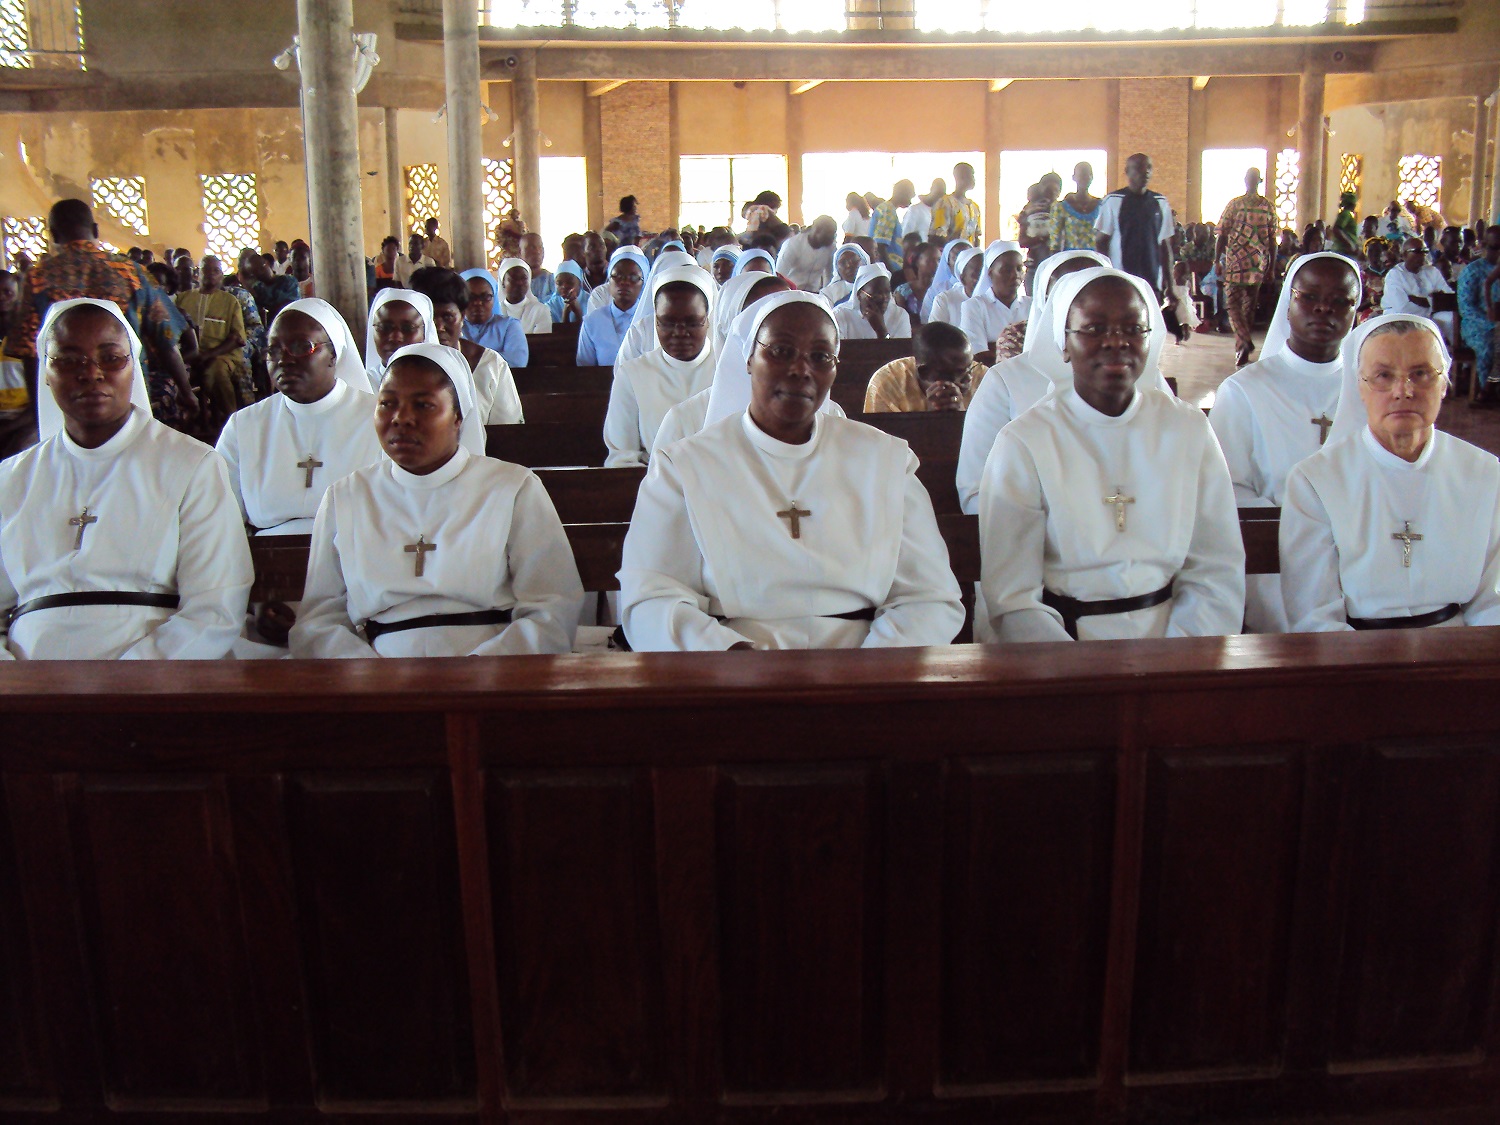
[(593, 162), (1197, 139), (465, 170), (994, 142), (795, 146), (1310, 147), (527, 166), (1486, 130), (330, 131), (674, 151), (395, 183)]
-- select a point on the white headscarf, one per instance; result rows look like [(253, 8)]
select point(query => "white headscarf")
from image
[(456, 367), (945, 277), (743, 261), (1351, 416), (868, 274), (347, 366), (419, 301), (1280, 330), (731, 302), (666, 260), (731, 388), (49, 416), (730, 252), (641, 338), (1043, 279), (1063, 296), (993, 251), (514, 310)]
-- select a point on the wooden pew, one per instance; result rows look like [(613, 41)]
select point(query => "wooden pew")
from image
[(558, 348), (1187, 880), (547, 444), (859, 359), (563, 380), (587, 408)]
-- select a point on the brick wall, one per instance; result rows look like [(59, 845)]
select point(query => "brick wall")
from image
[(1154, 120), (635, 135)]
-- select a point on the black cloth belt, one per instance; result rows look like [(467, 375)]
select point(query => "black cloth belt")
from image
[(1072, 609), (621, 644), (375, 629), (92, 597), (1420, 621)]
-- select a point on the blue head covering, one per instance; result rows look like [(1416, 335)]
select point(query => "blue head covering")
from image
[(724, 252), (630, 254), (850, 248), (489, 277), (944, 279), (571, 269), (749, 256)]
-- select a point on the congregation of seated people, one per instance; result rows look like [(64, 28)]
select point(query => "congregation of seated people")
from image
[(175, 417)]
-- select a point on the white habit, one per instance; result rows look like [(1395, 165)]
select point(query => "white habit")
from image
[(868, 540), (495, 389), (852, 324), (983, 316), (644, 389), (688, 417), (498, 545), (535, 317)]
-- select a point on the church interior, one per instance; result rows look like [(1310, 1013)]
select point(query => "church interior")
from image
[(1182, 876)]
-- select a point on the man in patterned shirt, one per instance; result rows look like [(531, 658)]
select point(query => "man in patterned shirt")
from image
[(78, 267), (885, 225), (1245, 253), (956, 215)]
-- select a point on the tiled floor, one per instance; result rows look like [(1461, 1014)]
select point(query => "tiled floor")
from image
[(1200, 365)]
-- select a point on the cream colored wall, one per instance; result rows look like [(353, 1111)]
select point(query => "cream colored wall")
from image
[(894, 117), (1385, 133), (716, 118)]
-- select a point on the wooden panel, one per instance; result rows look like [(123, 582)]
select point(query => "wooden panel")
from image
[(546, 444), (21, 1068), (373, 858), (1026, 897), (558, 348), (538, 380), (159, 893), (587, 408), (932, 437), (1419, 937), (577, 949), (799, 872), (1217, 875), (859, 359), (593, 495)]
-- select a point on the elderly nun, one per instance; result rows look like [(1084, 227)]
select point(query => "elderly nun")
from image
[(1106, 510), (119, 537), (437, 550), (848, 259), (1393, 524)]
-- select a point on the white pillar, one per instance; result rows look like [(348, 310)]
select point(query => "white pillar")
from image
[(1310, 148), (527, 147), (395, 184), (1494, 215), (330, 133), (465, 153)]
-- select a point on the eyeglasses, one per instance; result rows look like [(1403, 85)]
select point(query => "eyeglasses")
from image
[(670, 326), (82, 364), (387, 329), (1340, 305), (1387, 381), (294, 349), (784, 355), (1131, 333)]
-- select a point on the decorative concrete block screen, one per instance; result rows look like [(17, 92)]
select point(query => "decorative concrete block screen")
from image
[(124, 197), (1352, 173), (421, 195), (1288, 178), (28, 233), (499, 199), (1421, 178), (231, 215)]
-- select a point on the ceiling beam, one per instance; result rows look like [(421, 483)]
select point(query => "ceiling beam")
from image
[(599, 89)]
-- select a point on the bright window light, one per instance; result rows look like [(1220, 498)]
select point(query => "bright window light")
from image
[(828, 177), (1020, 168), (715, 188), (1224, 177), (715, 15), (565, 202)]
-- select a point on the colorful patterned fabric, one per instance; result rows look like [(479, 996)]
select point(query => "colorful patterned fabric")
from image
[(885, 229), (1073, 230), (956, 218), (1474, 323), (1248, 227)]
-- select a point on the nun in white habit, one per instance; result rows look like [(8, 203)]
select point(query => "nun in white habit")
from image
[(869, 305), (119, 537), (1279, 410), (848, 260), (948, 305), (997, 302), (535, 317), (397, 317), (830, 541), (1393, 524), (438, 550), (681, 365), (1106, 510), (640, 338), (284, 451), (1015, 385)]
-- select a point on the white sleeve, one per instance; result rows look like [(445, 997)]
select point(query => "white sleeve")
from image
[(1234, 426), (1208, 594), (505, 407), (662, 601), (975, 325), (1168, 226), (1310, 586), (543, 577), (1108, 220), (8, 598), (323, 627), (670, 430), (538, 320), (924, 606), (1012, 545), (229, 449), (1394, 296), (214, 574), (989, 411), (622, 425)]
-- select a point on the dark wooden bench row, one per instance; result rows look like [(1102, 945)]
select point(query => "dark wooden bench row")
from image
[(557, 352)]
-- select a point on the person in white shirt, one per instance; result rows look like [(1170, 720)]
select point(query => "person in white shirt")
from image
[(948, 307), (410, 262), (1015, 385), (1134, 227), (397, 317), (1393, 524), (678, 367), (830, 541), (1106, 510), (998, 302), (807, 258), (119, 537), (847, 261), (494, 383), (1409, 287), (437, 550), (1277, 411), (918, 217), (519, 302), (871, 314), (857, 215)]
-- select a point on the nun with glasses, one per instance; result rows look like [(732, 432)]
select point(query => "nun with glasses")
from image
[(491, 327), (1392, 524), (612, 309), (437, 550), (830, 541), (119, 537), (871, 314), (397, 317), (1106, 510)]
